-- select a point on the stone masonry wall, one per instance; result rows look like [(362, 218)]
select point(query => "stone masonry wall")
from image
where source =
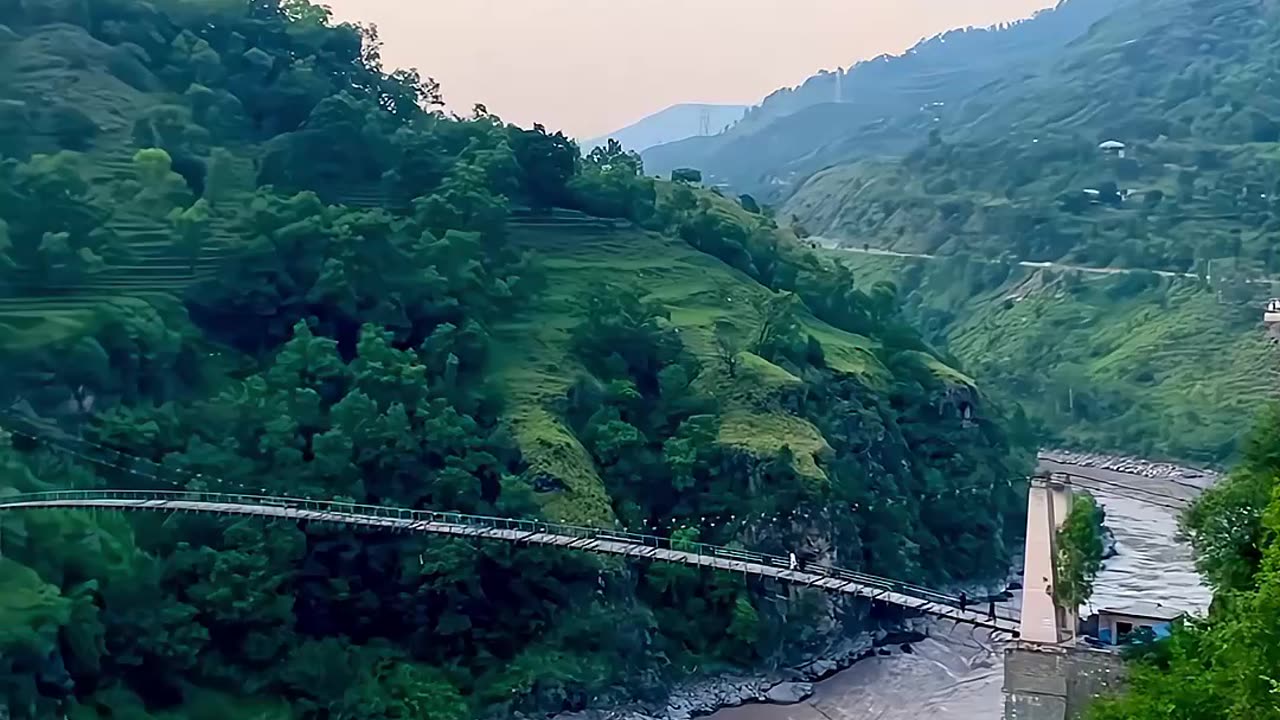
[(1057, 683)]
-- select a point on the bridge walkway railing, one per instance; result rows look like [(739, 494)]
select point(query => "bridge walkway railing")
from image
[(348, 513)]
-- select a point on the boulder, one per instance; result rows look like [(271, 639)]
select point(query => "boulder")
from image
[(789, 693), (899, 637), (822, 667)]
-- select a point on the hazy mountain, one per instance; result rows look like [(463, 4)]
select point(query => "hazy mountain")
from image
[(885, 105), (673, 124), (1189, 88)]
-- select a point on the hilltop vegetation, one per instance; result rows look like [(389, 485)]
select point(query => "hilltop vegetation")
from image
[(1188, 89), (238, 254)]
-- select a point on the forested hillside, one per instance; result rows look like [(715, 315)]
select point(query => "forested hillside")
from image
[(1189, 89), (1146, 146), (885, 105), (1129, 362), (238, 254)]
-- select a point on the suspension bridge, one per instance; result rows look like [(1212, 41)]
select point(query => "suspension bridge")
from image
[(605, 541), (524, 532)]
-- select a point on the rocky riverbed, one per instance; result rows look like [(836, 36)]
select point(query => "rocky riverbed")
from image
[(782, 687), (1128, 465)]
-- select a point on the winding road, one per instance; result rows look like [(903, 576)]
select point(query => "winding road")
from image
[(832, 244)]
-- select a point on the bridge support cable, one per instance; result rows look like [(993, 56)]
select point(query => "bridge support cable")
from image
[(512, 530), (1117, 489), (408, 520)]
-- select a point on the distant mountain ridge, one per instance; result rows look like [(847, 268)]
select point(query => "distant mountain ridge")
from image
[(888, 104), (1026, 170), (676, 123)]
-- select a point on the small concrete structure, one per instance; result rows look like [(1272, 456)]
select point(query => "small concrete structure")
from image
[(1114, 147), (1115, 625), (1272, 312)]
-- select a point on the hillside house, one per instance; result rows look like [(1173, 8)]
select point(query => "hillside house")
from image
[(1115, 626), (1272, 312), (1113, 147)]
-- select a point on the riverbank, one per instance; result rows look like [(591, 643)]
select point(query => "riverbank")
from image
[(958, 674), (1128, 465), (786, 686), (952, 673)]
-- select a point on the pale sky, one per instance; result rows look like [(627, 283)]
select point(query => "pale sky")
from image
[(589, 67)]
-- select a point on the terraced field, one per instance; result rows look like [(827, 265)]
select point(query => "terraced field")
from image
[(359, 196), (1170, 371), (61, 61), (536, 366), (152, 266)]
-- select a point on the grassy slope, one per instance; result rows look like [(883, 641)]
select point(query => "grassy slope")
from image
[(1175, 373), (536, 367), (68, 59), (883, 203)]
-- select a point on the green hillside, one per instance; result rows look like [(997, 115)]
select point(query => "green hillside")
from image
[(1125, 363), (236, 253), (1186, 86), (1022, 172), (701, 294), (882, 105)]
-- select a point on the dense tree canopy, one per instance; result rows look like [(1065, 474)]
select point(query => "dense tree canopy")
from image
[(1223, 666), (246, 257), (1079, 551)]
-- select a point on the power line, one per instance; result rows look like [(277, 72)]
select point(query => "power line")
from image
[(1178, 503), (1145, 501), (1168, 479)]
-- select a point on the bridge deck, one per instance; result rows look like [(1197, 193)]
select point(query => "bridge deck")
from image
[(583, 539)]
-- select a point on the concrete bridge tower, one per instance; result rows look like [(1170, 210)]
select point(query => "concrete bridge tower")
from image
[(1043, 621), (1047, 676)]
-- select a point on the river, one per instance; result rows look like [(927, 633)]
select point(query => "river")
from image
[(959, 676)]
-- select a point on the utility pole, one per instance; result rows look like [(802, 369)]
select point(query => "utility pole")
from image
[(704, 122)]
